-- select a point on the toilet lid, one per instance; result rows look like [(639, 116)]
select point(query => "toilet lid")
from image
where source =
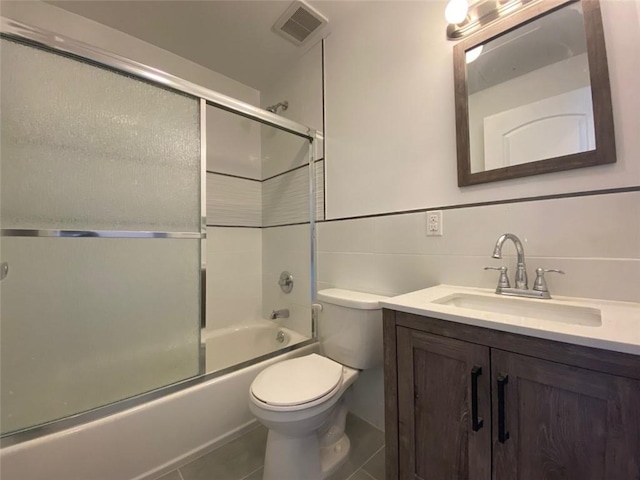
[(297, 381)]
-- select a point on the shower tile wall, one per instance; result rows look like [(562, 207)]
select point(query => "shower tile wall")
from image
[(243, 264), (287, 248), (234, 202), (244, 257), (272, 194), (234, 276), (234, 252), (285, 198)]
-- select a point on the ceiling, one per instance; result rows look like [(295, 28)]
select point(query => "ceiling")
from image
[(231, 37)]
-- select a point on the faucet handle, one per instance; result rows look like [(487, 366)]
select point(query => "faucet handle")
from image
[(540, 285), (503, 280)]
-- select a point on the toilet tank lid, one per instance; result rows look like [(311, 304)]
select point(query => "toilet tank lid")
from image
[(351, 299)]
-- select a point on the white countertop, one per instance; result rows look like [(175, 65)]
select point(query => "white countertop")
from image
[(620, 329)]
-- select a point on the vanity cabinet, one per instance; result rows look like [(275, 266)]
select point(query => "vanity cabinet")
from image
[(465, 402), (434, 407)]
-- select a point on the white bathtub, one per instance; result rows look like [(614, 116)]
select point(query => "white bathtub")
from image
[(146, 441), (233, 345)]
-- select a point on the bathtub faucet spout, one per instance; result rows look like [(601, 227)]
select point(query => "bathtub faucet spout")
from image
[(284, 313)]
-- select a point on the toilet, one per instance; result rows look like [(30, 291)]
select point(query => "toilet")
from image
[(300, 400)]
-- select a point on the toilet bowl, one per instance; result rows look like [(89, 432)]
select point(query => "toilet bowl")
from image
[(300, 400)]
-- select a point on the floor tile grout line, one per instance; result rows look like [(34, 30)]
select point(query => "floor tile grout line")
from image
[(369, 459), (367, 474), (362, 471), (257, 469), (352, 475), (375, 453)]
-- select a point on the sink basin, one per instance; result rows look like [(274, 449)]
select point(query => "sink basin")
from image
[(534, 309), (605, 324)]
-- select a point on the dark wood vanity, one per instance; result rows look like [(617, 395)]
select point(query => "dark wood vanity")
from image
[(465, 402)]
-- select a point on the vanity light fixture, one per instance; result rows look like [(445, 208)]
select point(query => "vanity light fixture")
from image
[(478, 15), (456, 11)]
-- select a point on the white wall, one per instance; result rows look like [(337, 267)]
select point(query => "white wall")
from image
[(301, 86), (390, 127), (390, 132), (233, 144)]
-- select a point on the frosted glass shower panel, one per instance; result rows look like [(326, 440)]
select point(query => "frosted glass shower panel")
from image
[(90, 321), (86, 148)]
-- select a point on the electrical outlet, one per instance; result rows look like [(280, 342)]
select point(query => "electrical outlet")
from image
[(434, 223)]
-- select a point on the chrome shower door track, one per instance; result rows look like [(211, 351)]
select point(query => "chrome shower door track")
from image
[(12, 29), (22, 232)]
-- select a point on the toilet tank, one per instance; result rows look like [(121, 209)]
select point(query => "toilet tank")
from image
[(350, 327)]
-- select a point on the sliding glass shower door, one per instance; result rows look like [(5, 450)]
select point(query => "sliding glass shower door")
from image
[(100, 210)]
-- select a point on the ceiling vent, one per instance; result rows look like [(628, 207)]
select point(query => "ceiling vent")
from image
[(299, 23)]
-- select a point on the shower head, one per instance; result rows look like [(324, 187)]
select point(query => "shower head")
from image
[(274, 108)]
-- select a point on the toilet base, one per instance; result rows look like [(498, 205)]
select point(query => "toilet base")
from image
[(312, 457), (303, 458), (333, 457)]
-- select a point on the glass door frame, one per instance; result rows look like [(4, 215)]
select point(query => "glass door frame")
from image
[(57, 43)]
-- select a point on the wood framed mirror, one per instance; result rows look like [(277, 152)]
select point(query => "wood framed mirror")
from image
[(532, 94)]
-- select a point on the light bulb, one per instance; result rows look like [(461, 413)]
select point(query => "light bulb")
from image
[(473, 54), (456, 11)]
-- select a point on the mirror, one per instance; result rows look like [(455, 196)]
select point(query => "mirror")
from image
[(532, 94)]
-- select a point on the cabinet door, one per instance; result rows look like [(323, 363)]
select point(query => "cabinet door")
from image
[(439, 381), (553, 421)]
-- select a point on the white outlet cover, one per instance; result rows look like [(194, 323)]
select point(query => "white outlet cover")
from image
[(434, 223)]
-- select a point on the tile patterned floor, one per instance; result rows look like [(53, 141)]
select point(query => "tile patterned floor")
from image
[(242, 458)]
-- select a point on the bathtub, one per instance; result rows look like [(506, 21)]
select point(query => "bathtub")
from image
[(233, 345), (148, 440)]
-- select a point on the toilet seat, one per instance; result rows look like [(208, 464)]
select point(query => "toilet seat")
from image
[(297, 383)]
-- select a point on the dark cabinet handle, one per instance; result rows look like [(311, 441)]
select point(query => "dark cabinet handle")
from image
[(476, 422), (503, 435)]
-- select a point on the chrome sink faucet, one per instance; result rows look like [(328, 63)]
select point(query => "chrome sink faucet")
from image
[(521, 289), (522, 282)]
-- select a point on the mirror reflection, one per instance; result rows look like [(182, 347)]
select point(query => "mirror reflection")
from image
[(529, 93)]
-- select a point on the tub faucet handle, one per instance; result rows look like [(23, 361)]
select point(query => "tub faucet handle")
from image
[(286, 282)]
